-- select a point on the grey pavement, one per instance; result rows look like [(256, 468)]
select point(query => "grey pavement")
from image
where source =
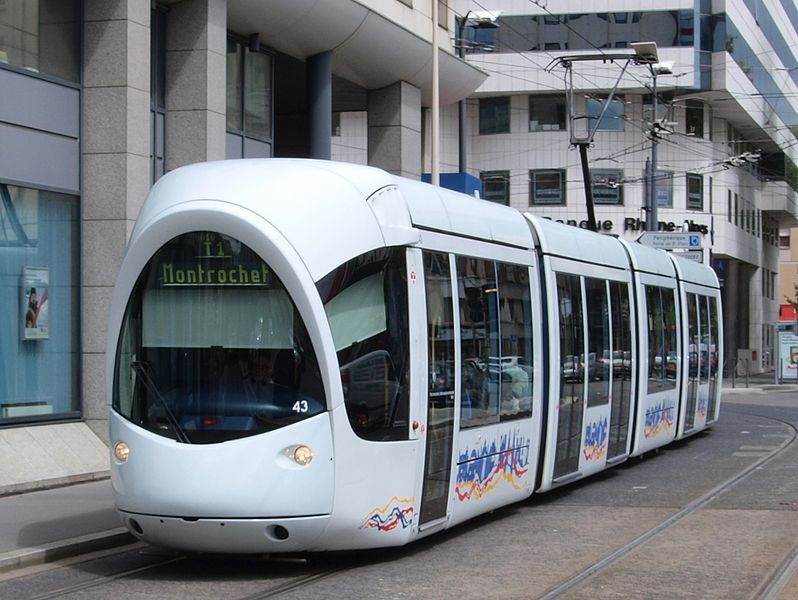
[(50, 524), (47, 525)]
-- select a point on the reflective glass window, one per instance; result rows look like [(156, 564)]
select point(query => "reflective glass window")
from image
[(496, 186), (547, 187), (622, 367), (572, 373), (662, 357), (494, 115), (366, 304), (39, 293), (212, 346), (613, 118), (42, 36), (515, 363), (547, 113), (479, 333), (599, 349), (607, 186)]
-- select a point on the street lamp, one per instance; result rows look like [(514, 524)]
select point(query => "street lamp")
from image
[(646, 53), (481, 20)]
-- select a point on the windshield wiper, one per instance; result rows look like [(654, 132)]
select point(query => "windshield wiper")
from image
[(141, 368)]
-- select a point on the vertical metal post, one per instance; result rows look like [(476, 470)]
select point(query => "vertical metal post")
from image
[(461, 105), (652, 219), (591, 212), (435, 175)]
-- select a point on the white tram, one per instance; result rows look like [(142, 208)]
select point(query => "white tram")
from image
[(306, 355)]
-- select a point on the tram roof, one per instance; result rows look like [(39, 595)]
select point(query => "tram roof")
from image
[(439, 209), (649, 260), (558, 239), (694, 272)]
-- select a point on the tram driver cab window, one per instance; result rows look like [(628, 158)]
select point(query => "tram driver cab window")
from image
[(212, 346), (366, 304)]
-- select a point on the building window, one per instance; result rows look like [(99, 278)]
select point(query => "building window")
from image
[(607, 186), (729, 208), (695, 192), (784, 241), (694, 118), (157, 92), (663, 186), (42, 36), (546, 187), (249, 101), (494, 115), (547, 113), (613, 119), (736, 209), (40, 290), (496, 186)]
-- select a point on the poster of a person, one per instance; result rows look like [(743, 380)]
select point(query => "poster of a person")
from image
[(36, 310)]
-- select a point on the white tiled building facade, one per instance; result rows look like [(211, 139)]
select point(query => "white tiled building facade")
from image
[(732, 96)]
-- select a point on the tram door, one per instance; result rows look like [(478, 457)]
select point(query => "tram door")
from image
[(595, 391), (440, 398), (572, 375)]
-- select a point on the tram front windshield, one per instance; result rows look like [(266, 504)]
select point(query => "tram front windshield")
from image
[(212, 347)]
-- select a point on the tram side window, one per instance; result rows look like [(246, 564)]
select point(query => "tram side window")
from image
[(713, 355), (366, 304), (706, 342), (572, 350), (515, 308), (479, 334), (599, 351), (440, 329), (662, 357)]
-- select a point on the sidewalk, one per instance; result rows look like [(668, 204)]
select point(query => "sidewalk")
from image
[(47, 525), (757, 384)]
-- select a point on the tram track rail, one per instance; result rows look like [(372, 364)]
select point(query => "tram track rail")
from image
[(295, 583), (768, 589)]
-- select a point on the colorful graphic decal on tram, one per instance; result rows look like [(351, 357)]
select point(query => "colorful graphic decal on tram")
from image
[(703, 404), (398, 512), (659, 418), (596, 440), (481, 470)]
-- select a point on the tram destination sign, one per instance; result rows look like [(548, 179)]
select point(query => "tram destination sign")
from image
[(669, 241)]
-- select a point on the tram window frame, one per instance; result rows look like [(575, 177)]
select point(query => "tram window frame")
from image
[(391, 343), (570, 415), (598, 329), (661, 313), (499, 379), (621, 311), (194, 362)]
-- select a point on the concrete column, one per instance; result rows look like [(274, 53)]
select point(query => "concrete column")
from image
[(115, 148), (394, 134), (731, 315), (196, 48), (319, 91)]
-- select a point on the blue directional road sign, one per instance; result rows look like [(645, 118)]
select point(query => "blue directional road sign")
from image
[(669, 241)]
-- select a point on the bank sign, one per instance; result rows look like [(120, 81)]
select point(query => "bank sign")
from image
[(633, 225)]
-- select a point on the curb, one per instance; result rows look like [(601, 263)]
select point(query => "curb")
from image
[(55, 482), (102, 540), (760, 389)]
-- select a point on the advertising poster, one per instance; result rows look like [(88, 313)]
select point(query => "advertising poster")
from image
[(788, 351), (35, 306)]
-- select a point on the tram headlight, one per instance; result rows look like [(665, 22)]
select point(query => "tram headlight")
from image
[(302, 455), (121, 451)]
